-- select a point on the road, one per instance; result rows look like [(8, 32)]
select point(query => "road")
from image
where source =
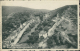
[(25, 37), (21, 32)]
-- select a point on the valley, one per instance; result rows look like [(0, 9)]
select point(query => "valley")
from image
[(38, 29)]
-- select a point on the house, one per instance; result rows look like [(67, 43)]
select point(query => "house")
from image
[(54, 19), (24, 24), (21, 26), (57, 18), (43, 33), (46, 16)]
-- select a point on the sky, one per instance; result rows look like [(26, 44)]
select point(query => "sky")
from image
[(49, 5)]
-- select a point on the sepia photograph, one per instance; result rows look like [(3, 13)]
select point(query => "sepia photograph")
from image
[(39, 25)]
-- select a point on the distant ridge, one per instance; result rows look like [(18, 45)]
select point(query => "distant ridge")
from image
[(6, 10), (61, 9)]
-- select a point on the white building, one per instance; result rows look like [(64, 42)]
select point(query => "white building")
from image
[(43, 33)]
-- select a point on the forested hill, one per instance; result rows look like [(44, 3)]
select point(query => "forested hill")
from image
[(6, 10), (61, 9), (14, 15), (54, 29)]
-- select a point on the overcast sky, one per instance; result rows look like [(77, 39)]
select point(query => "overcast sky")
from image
[(49, 5)]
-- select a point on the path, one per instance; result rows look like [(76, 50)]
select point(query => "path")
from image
[(25, 37), (21, 32)]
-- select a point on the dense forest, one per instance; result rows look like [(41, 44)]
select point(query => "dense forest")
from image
[(51, 29)]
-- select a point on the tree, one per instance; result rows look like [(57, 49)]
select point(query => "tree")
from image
[(33, 38), (32, 25), (50, 43), (41, 38), (46, 28)]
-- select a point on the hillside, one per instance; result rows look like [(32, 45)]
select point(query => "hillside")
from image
[(6, 10), (53, 13), (45, 29)]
